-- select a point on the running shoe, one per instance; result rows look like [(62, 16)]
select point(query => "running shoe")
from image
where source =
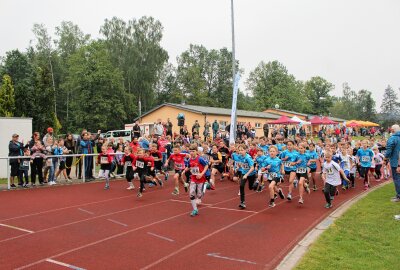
[(301, 201), (289, 197), (106, 187), (130, 187), (295, 183), (307, 188), (33, 185), (186, 186), (315, 188), (328, 205), (139, 195), (337, 192), (161, 183), (175, 192), (395, 199), (68, 181), (25, 186), (194, 213), (255, 185), (151, 185), (272, 204), (260, 188), (280, 193), (242, 205), (166, 176)]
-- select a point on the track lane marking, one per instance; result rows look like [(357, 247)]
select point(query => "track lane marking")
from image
[(65, 264), (161, 237), (216, 255), (117, 222), (86, 211), (16, 228)]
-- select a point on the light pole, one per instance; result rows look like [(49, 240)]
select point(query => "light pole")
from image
[(232, 132)]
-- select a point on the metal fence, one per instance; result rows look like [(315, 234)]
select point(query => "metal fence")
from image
[(81, 156)]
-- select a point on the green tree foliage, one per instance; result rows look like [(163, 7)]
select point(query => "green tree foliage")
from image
[(317, 91), (135, 48), (98, 96), (205, 76), (272, 84), (354, 105), (19, 67), (7, 97), (390, 108)]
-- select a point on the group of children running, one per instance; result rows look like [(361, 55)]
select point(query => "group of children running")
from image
[(262, 163)]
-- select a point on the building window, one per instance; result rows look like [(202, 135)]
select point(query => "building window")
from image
[(223, 124), (258, 125)]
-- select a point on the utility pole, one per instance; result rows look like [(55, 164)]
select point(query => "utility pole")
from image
[(232, 132)]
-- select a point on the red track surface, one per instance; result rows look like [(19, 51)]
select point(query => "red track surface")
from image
[(87, 227)]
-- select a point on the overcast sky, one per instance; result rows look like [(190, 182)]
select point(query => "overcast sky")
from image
[(354, 41)]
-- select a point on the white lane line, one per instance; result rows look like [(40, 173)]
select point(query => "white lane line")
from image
[(117, 222), (216, 255), (172, 200), (86, 211), (231, 209), (16, 228), (159, 236), (64, 264)]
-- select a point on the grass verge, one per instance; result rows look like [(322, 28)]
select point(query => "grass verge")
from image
[(365, 237)]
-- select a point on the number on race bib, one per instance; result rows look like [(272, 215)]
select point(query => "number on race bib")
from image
[(365, 159), (287, 164), (329, 171), (272, 175), (128, 163), (103, 160), (195, 171), (301, 170), (139, 164), (26, 163), (178, 166)]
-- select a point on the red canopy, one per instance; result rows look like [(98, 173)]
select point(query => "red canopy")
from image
[(328, 121), (316, 120), (352, 124), (283, 120)]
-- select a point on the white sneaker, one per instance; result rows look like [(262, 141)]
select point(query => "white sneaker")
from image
[(54, 183), (130, 187), (50, 183)]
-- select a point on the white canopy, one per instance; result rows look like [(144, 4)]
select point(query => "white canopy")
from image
[(295, 118)]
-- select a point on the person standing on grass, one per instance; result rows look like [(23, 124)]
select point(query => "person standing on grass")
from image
[(14, 150), (392, 153)]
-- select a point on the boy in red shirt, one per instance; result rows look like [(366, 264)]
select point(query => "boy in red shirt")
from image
[(129, 160), (143, 165), (179, 166), (198, 167)]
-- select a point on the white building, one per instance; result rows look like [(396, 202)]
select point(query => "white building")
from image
[(9, 126)]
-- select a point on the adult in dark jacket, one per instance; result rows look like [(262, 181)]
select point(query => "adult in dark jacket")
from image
[(70, 145), (14, 149), (136, 130), (393, 154)]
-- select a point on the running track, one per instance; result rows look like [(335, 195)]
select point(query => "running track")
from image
[(84, 227)]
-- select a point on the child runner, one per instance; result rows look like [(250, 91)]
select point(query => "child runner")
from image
[(198, 167), (157, 155), (105, 160), (260, 162), (129, 160), (301, 172), (246, 171), (275, 175), (289, 158), (364, 158), (143, 165), (378, 160), (353, 167), (331, 173), (312, 164), (216, 165), (179, 166)]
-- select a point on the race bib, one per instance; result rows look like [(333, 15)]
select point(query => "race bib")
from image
[(365, 159), (301, 170), (25, 163), (287, 164), (244, 166), (329, 171), (194, 170), (223, 154), (140, 164), (104, 160), (178, 166), (128, 163), (272, 175)]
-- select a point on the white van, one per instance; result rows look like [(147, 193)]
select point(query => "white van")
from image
[(124, 134)]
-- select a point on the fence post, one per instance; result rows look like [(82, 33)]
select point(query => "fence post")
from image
[(83, 168), (8, 174)]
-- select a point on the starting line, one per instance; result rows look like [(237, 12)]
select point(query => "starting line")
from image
[(64, 264)]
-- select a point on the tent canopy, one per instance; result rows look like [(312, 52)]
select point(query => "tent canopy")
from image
[(329, 121), (284, 120), (316, 120), (295, 118)]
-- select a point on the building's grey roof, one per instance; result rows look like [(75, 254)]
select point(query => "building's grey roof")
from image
[(280, 110), (215, 111), (310, 116)]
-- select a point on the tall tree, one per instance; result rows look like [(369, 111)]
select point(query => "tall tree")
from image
[(317, 91), (19, 67), (366, 106), (7, 97), (270, 83), (98, 97), (390, 104)]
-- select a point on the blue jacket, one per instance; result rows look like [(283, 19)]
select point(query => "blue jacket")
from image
[(393, 149)]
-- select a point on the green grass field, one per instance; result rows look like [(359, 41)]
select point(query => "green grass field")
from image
[(365, 237)]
